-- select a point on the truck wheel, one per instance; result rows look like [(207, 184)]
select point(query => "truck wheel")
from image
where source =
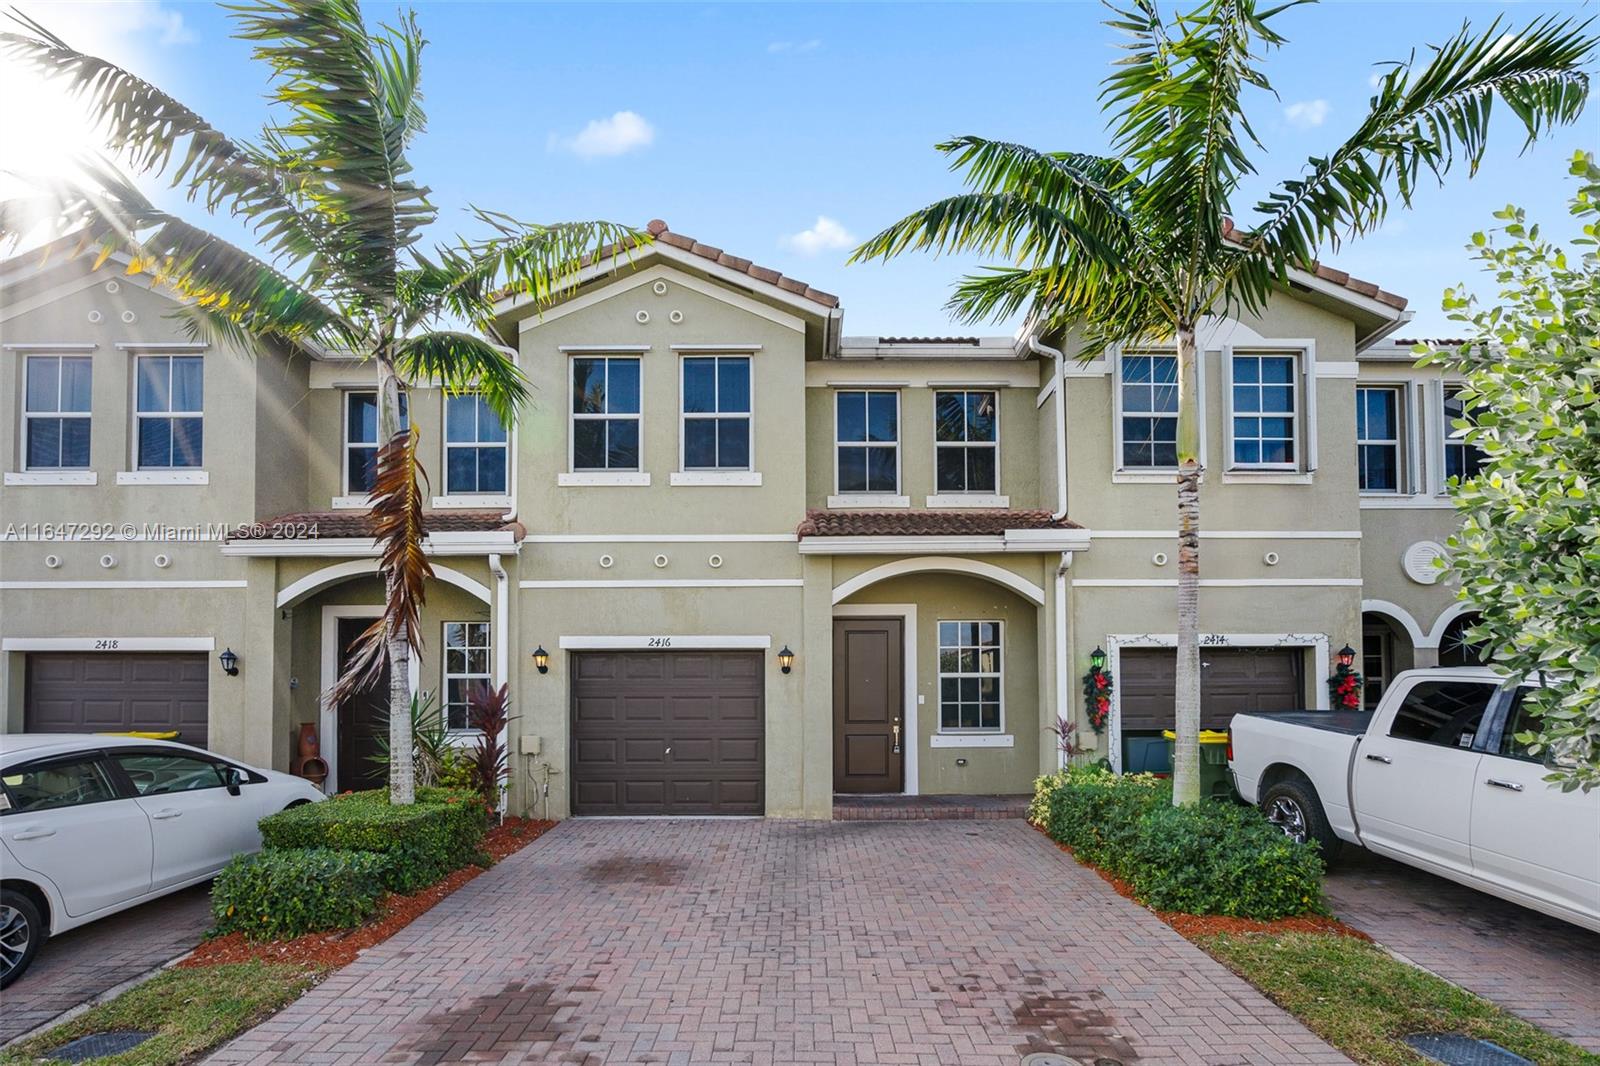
[(1293, 807), (21, 933)]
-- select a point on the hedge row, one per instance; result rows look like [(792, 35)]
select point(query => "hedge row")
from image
[(1211, 858), (282, 894)]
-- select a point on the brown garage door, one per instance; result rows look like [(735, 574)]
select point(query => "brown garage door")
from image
[(113, 692), (667, 733), (1231, 680)]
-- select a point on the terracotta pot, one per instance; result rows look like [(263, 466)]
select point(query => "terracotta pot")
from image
[(314, 770), (310, 743)]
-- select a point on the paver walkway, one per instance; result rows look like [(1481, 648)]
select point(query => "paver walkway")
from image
[(750, 941), (78, 966), (1544, 970)]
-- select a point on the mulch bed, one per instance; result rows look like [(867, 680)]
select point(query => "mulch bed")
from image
[(340, 946), (1195, 926)]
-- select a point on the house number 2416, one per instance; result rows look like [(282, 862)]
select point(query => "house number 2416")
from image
[(660, 642)]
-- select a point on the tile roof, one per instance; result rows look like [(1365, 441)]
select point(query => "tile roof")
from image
[(1338, 277), (953, 522), (664, 234), (974, 341), (322, 525)]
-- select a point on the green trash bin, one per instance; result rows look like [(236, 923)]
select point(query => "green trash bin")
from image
[(1215, 781)]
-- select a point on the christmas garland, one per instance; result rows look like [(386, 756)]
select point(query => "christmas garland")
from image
[(1097, 697), (1344, 689)]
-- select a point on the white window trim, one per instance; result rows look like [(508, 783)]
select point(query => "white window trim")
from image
[(940, 675), (162, 473), (52, 477), (27, 415), (1402, 457), (445, 676), (937, 444), (351, 503), (744, 478), (597, 476), (869, 499), (473, 499), (1150, 475), (717, 354), (966, 499), (1302, 382)]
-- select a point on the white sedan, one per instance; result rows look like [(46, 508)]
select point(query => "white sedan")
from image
[(91, 825)]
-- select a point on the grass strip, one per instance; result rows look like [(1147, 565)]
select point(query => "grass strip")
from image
[(191, 1011), (1363, 1000)]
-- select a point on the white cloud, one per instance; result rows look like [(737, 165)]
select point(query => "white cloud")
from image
[(795, 46), (622, 132), (826, 235), (1307, 113)]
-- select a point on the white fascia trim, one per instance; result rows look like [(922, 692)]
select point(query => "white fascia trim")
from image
[(108, 644), (601, 478), (53, 477), (1219, 582), (1015, 540), (1349, 296), (664, 272), (335, 573), (971, 740), (1337, 369), (731, 349), (350, 503), (746, 478), (504, 543), (670, 583), (1229, 534), (47, 585), (603, 349), (665, 642), (163, 477), (162, 346), (481, 503), (961, 500), (51, 346), (654, 538), (863, 501), (948, 564)]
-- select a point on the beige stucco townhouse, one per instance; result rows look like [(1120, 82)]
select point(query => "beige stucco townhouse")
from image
[(765, 561)]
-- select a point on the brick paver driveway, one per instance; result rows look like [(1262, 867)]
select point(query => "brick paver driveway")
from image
[(783, 942), (78, 966), (1537, 967)]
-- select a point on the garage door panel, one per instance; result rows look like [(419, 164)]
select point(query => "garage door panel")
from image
[(109, 692), (1233, 681), (705, 706)]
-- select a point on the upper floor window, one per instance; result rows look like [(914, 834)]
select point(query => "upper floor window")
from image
[(466, 665), (966, 440), (1378, 455), (169, 398), (970, 676), (56, 413), (605, 414), (361, 439), (1265, 411), (475, 450), (1149, 412), (716, 412), (1461, 458), (867, 431)]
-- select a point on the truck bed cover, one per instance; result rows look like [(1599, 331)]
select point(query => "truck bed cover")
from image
[(1352, 723)]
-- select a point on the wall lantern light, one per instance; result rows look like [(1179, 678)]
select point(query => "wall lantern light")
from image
[(1097, 659), (541, 659), (785, 659), (1347, 656), (230, 662)]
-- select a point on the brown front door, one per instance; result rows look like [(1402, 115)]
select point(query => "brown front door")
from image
[(868, 701), (363, 718)]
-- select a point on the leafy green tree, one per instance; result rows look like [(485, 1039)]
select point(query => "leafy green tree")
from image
[(1528, 552), (327, 189), (1138, 247)]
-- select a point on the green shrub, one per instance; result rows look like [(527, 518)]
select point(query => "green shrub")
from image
[(281, 894), (1220, 858), (1096, 813), (441, 832)]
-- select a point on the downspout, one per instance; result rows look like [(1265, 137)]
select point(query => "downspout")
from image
[(1063, 706), (502, 614)]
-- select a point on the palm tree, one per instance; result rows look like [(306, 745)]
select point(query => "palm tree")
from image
[(1138, 247), (327, 191)]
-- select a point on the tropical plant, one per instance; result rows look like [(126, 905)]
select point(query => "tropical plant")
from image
[(489, 712), (430, 741), (1138, 247), (328, 192), (1528, 551)]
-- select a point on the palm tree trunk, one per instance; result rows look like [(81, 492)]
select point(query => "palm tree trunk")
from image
[(1186, 754), (402, 777)]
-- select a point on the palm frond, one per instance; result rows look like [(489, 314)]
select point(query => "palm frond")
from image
[(462, 362)]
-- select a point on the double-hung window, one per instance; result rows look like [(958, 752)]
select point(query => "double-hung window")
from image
[(475, 448), (970, 677), (56, 413), (867, 425), (361, 440), (966, 441), (1265, 412), (1378, 451), (169, 398), (1462, 459), (716, 412), (1149, 412), (605, 413), (466, 665)]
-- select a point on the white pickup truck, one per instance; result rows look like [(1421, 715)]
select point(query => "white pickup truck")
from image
[(1433, 777)]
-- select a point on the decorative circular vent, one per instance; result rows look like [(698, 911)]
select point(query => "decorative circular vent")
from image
[(108, 561), (1271, 558), (1159, 559), (163, 561), (95, 316), (606, 561), (113, 286), (661, 561), (52, 561), (642, 316), (659, 288), (129, 317), (715, 562), (1418, 562), (675, 316)]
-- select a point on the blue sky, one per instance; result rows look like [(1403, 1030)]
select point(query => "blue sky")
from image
[(782, 131)]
